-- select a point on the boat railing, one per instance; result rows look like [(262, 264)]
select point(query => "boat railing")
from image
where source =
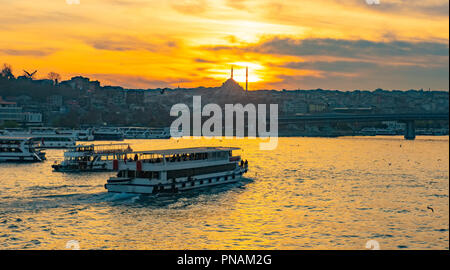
[(104, 149), (171, 161)]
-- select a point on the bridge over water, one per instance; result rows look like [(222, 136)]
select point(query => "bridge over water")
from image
[(409, 119)]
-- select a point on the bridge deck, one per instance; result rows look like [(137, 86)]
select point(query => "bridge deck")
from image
[(365, 117)]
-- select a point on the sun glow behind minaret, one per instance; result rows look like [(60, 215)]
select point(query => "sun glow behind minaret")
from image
[(239, 72)]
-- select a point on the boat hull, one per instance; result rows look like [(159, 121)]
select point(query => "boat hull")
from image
[(56, 146), (108, 137), (129, 185), (30, 158), (102, 166), (61, 168)]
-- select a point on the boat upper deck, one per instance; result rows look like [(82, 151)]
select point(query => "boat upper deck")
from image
[(193, 150), (15, 138), (182, 158), (9, 139), (102, 148), (16, 142)]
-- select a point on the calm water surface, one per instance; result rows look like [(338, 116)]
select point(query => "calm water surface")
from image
[(309, 193)]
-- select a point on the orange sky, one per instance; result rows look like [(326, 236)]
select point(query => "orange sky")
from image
[(292, 44)]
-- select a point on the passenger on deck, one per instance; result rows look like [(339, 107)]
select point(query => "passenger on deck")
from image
[(136, 157)]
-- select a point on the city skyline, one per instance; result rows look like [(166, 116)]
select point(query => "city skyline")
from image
[(344, 45)]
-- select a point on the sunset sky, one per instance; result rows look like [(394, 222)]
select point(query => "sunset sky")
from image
[(289, 44)]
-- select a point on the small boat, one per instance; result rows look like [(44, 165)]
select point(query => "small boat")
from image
[(100, 157), (20, 149), (176, 170)]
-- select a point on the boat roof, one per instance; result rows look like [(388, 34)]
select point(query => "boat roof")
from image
[(189, 150), (106, 144), (14, 138)]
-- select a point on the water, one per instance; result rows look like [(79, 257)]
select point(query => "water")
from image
[(309, 193)]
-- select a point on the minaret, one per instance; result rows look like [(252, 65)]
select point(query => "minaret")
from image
[(231, 71), (246, 79)]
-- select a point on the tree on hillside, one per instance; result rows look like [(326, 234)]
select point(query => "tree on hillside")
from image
[(7, 72), (70, 120), (54, 77)]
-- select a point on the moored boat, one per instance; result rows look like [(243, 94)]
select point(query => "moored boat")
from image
[(100, 157), (47, 137), (20, 149), (107, 134), (79, 134), (145, 133), (55, 141), (176, 170)]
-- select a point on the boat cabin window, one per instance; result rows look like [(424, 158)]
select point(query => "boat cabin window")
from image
[(219, 155), (199, 171), (86, 158), (85, 149), (14, 142), (10, 150), (54, 139), (186, 157), (141, 174)]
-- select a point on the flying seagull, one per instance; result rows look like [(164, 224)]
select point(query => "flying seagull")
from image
[(30, 75), (432, 210)]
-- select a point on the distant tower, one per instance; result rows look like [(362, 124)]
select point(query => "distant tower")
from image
[(231, 71), (246, 79)]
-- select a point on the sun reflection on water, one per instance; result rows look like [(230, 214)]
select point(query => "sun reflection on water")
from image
[(309, 193)]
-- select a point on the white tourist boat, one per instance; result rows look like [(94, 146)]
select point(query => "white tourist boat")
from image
[(178, 170), (145, 133), (79, 134), (19, 149), (100, 157), (107, 134), (55, 141), (47, 137)]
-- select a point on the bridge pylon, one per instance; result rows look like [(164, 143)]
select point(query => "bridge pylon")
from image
[(410, 130)]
